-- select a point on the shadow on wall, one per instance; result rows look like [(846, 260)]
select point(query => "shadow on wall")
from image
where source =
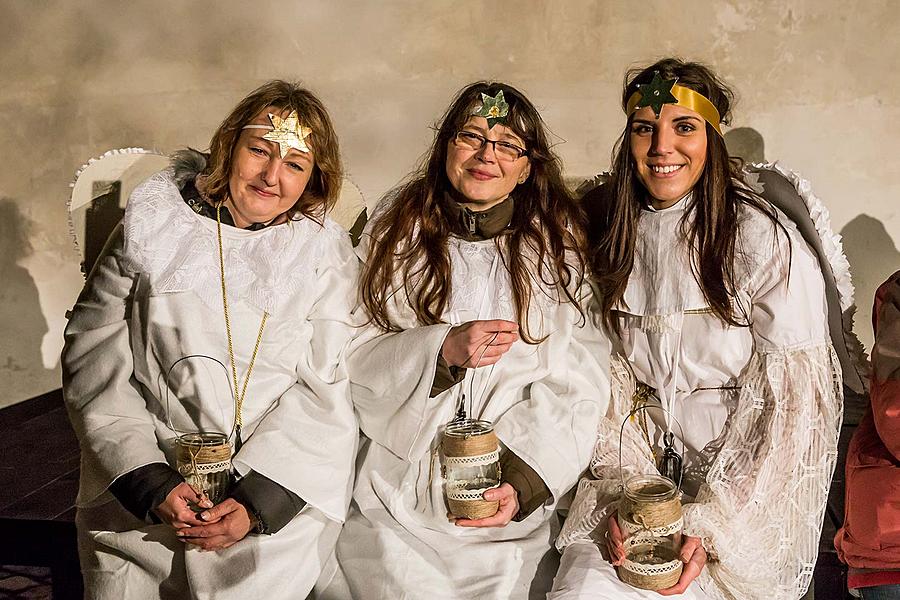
[(101, 218), (873, 257), (22, 324), (746, 143)]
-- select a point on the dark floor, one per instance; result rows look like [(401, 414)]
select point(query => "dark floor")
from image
[(25, 583), (38, 482)]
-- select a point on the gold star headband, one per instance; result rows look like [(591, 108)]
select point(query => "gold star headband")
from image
[(287, 133), (667, 91)]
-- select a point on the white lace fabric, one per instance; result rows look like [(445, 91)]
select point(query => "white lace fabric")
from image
[(761, 509), (759, 514), (760, 506), (266, 268)]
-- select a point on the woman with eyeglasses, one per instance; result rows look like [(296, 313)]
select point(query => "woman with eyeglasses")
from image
[(473, 285), (717, 309)]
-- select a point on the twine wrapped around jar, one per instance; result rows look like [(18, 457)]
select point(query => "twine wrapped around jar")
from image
[(204, 460), (471, 466), (651, 520)]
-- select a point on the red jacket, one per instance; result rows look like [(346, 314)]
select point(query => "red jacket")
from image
[(870, 537)]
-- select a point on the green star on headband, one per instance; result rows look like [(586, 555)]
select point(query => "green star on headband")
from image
[(654, 95), (288, 133), (657, 93), (493, 109)]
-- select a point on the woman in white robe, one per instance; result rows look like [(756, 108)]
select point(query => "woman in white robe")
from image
[(719, 310), (472, 283), (155, 296)]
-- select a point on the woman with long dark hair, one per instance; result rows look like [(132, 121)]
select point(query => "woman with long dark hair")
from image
[(474, 285), (718, 316)]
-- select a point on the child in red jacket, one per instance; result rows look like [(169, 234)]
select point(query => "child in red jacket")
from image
[(869, 541)]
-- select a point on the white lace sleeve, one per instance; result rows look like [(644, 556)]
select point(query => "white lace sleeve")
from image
[(599, 491), (760, 511)]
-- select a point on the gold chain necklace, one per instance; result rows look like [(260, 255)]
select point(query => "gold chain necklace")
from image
[(238, 396)]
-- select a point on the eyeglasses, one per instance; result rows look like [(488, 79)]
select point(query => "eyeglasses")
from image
[(503, 150)]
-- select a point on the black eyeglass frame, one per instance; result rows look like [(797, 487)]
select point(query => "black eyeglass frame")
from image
[(522, 151)]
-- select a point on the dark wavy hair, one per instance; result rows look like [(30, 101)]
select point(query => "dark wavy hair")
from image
[(544, 243), (324, 185), (710, 221)]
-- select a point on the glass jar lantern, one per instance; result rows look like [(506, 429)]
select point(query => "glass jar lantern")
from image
[(651, 521), (470, 457), (204, 460)]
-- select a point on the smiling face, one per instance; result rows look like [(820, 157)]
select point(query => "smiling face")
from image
[(481, 177), (262, 185), (669, 152)]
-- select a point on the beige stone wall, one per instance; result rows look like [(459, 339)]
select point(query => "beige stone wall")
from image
[(816, 78)]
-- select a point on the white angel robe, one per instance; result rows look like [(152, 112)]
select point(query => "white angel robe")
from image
[(544, 400), (760, 409), (154, 297)]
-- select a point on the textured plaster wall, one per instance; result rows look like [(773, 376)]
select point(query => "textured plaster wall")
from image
[(815, 78)]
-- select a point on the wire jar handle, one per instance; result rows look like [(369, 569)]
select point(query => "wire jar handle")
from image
[(622, 433), (168, 376)]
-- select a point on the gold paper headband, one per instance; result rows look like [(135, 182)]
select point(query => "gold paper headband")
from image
[(287, 133), (657, 95)]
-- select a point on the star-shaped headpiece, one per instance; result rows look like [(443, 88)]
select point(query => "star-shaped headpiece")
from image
[(657, 93), (493, 109), (288, 133), (660, 92)]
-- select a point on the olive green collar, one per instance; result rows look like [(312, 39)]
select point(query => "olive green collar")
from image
[(481, 225)]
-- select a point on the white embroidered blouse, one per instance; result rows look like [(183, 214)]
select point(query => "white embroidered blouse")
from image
[(760, 405)]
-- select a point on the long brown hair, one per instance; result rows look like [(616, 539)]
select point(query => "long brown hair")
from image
[(544, 243), (325, 182), (710, 221)]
